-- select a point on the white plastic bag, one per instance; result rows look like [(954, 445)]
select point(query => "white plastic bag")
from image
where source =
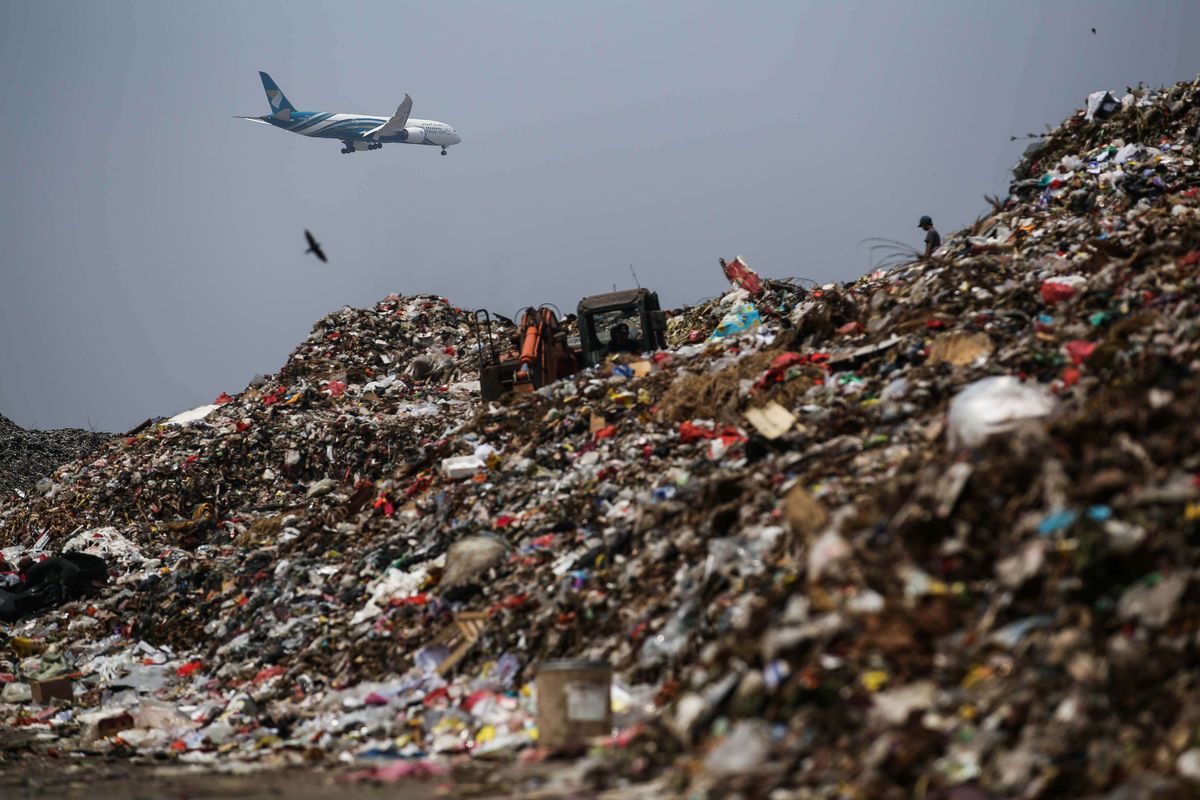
[(994, 405)]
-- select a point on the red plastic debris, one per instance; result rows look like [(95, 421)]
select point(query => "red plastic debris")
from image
[(469, 702), (222, 399), (607, 432), (275, 396), (689, 432), (1079, 350), (786, 360), (267, 673), (742, 276), (188, 668), (1054, 293), (780, 365), (1070, 376), (513, 601), (1190, 259), (731, 436), (419, 485), (419, 599)]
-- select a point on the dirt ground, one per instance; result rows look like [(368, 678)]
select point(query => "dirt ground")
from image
[(149, 782), (31, 771), (72, 779)]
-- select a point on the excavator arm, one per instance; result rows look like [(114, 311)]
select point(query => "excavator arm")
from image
[(544, 355)]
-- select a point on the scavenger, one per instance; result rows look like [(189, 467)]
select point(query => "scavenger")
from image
[(933, 239)]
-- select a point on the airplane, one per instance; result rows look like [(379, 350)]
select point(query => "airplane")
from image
[(357, 132)]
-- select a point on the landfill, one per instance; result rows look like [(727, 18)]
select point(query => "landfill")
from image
[(932, 533), (28, 456)]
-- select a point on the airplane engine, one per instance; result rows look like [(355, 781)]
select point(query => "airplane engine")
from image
[(412, 135)]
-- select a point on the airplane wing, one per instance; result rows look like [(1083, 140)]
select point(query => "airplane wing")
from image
[(254, 119), (395, 124)]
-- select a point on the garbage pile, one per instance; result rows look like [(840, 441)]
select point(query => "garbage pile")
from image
[(933, 533), (29, 456)]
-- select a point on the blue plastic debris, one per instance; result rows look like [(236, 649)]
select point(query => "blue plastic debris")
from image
[(1057, 521)]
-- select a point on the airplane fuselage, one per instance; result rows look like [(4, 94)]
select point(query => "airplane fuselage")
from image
[(351, 127), (356, 131)]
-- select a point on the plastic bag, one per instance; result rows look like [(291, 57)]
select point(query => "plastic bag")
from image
[(994, 405), (743, 317)]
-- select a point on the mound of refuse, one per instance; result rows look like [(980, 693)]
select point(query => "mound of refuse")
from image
[(29, 456), (932, 533)]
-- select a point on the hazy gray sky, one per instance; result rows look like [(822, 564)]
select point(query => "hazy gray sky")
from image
[(153, 245)]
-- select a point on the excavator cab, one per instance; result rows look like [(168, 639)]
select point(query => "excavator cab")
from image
[(635, 309), (541, 350)]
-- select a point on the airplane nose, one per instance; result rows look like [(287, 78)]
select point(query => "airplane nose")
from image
[(457, 138)]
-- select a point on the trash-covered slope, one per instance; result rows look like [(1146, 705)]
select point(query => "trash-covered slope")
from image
[(932, 532), (28, 456)]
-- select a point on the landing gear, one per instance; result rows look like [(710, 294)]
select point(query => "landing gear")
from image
[(443, 151), (375, 146), (349, 148)]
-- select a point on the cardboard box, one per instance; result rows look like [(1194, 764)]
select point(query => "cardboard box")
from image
[(53, 689)]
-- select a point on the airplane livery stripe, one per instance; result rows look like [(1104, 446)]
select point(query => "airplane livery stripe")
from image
[(305, 124), (335, 121), (347, 125)]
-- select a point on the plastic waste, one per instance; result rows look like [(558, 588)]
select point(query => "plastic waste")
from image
[(470, 556), (1153, 601), (994, 405), (16, 692), (460, 467), (741, 318), (1101, 105), (744, 750)]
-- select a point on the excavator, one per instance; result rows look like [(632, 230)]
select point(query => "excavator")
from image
[(544, 349)]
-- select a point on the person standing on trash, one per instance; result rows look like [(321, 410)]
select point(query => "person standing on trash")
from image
[(933, 239)]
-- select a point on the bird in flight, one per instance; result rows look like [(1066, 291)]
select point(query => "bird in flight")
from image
[(314, 248), (1093, 31)]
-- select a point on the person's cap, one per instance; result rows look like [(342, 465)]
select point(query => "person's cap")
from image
[(925, 220)]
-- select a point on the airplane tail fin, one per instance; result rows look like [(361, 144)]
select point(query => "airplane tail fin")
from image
[(281, 107)]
